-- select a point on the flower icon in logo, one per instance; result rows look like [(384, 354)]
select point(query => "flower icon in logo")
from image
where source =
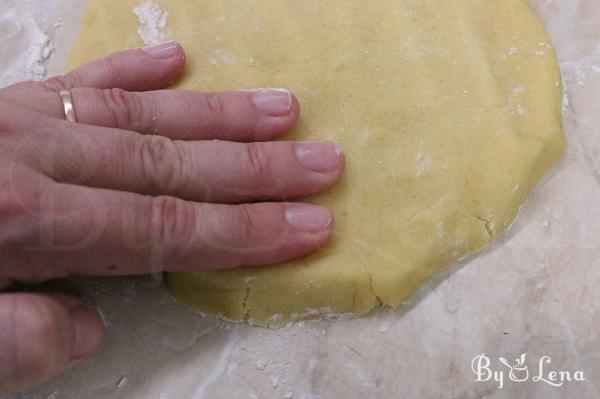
[(519, 372)]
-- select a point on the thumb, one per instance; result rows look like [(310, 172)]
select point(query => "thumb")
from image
[(42, 335)]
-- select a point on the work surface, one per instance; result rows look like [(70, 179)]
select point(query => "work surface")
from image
[(534, 291)]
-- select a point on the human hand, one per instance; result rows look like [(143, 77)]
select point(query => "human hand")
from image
[(146, 181)]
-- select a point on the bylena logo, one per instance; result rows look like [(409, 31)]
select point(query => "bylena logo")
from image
[(520, 372)]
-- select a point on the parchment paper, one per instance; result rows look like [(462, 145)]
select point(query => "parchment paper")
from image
[(535, 291)]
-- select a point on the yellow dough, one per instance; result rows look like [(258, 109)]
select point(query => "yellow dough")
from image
[(449, 112)]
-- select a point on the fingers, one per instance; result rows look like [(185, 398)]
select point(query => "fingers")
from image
[(236, 116), (42, 335), (111, 232), (203, 171), (135, 70)]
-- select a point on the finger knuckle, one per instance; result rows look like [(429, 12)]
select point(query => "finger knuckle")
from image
[(125, 109), (162, 163), (173, 223), (215, 106), (246, 222), (241, 226), (257, 162), (58, 83)]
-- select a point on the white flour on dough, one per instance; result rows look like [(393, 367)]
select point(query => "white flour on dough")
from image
[(153, 21)]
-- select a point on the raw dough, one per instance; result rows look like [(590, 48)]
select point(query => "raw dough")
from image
[(449, 112)]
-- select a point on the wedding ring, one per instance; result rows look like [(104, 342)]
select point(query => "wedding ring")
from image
[(67, 99)]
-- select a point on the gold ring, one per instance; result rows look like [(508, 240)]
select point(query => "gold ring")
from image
[(67, 99)]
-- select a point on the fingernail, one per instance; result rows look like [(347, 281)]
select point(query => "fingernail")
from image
[(273, 102), (87, 332), (308, 218), (322, 157), (162, 51)]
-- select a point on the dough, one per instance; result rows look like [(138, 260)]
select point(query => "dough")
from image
[(449, 112)]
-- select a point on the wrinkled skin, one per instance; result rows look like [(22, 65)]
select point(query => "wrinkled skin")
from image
[(147, 180)]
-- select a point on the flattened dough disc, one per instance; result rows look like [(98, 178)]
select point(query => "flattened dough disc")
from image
[(449, 112)]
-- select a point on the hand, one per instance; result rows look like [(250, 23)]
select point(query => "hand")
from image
[(146, 181)]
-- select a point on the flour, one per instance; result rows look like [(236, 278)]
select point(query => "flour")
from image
[(578, 73), (29, 34), (384, 327), (153, 22), (582, 70), (32, 27)]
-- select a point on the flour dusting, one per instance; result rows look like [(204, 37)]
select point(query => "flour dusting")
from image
[(582, 70), (578, 73), (24, 33), (153, 21)]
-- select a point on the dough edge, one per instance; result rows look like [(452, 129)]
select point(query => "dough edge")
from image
[(354, 294)]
